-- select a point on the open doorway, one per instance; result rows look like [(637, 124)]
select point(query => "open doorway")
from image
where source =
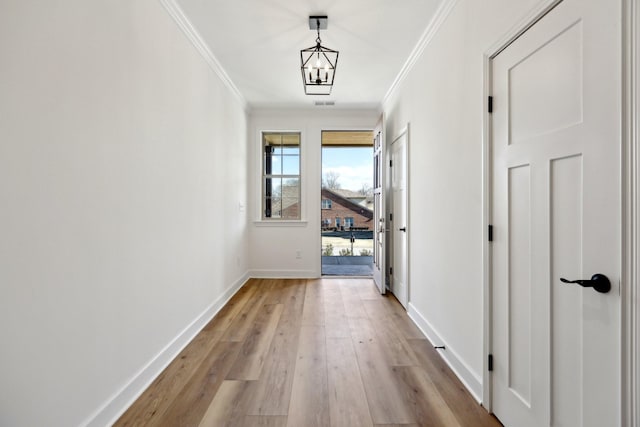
[(347, 203)]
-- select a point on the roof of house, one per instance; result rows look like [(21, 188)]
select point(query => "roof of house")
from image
[(347, 194), (350, 204)]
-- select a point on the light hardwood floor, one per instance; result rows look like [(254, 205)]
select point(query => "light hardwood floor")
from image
[(303, 353)]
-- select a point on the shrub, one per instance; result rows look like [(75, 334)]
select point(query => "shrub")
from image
[(328, 250), (345, 252), (365, 252)]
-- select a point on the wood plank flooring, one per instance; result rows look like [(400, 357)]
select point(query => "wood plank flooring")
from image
[(304, 353)]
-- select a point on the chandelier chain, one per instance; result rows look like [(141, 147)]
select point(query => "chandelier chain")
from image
[(318, 30)]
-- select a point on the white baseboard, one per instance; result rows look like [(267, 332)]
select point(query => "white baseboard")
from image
[(283, 274), (471, 380), (120, 401)]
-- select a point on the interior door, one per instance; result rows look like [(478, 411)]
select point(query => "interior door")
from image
[(379, 211), (556, 214), (399, 283)]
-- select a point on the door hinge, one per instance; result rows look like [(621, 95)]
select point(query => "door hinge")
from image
[(390, 163), (490, 362), (390, 217), (490, 104), (390, 271), (490, 233)]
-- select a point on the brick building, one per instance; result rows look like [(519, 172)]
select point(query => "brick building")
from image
[(340, 213)]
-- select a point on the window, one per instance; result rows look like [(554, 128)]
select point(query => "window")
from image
[(338, 221), (281, 175), (326, 204), (348, 222)]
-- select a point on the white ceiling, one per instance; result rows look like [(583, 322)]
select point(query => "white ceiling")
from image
[(258, 44)]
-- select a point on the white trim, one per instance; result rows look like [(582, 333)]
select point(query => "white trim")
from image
[(527, 21), (513, 33), (470, 379), (178, 15), (630, 373), (284, 274), (441, 14), (280, 223), (118, 403), (487, 289), (257, 174)]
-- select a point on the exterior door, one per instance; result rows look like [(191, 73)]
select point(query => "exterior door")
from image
[(399, 223), (556, 214), (379, 211)]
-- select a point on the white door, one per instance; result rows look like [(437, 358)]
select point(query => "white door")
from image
[(399, 284), (379, 211), (556, 214)]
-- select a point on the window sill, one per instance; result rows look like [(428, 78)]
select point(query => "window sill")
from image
[(280, 223)]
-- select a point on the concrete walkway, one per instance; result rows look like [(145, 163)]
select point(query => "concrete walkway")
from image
[(347, 265)]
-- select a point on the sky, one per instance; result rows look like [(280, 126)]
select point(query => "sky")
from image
[(354, 165)]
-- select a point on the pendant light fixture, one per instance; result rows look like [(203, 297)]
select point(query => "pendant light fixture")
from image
[(318, 63)]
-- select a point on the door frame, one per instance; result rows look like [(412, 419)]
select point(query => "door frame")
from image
[(390, 247), (631, 213), (317, 215), (630, 197), (380, 224)]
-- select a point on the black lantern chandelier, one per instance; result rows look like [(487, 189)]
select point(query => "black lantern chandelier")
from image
[(318, 62)]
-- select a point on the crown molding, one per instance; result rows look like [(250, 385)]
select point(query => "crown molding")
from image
[(178, 15), (434, 25)]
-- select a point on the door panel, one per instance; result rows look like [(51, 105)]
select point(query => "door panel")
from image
[(531, 93), (519, 283), (400, 218), (556, 213)]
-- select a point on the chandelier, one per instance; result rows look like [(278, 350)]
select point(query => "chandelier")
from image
[(318, 62)]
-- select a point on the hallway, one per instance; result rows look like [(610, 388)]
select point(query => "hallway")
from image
[(329, 352)]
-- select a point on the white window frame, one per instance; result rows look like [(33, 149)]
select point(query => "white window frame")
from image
[(349, 221), (259, 220)]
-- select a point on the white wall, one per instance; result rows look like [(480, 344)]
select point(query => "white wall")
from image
[(122, 166), (442, 99), (273, 244)]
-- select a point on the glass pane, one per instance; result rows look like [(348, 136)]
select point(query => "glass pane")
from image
[(291, 165), (272, 165), (281, 156), (290, 208), (267, 208), (291, 188), (276, 166), (267, 187), (272, 143), (276, 207), (290, 139), (273, 149), (294, 151), (276, 187)]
